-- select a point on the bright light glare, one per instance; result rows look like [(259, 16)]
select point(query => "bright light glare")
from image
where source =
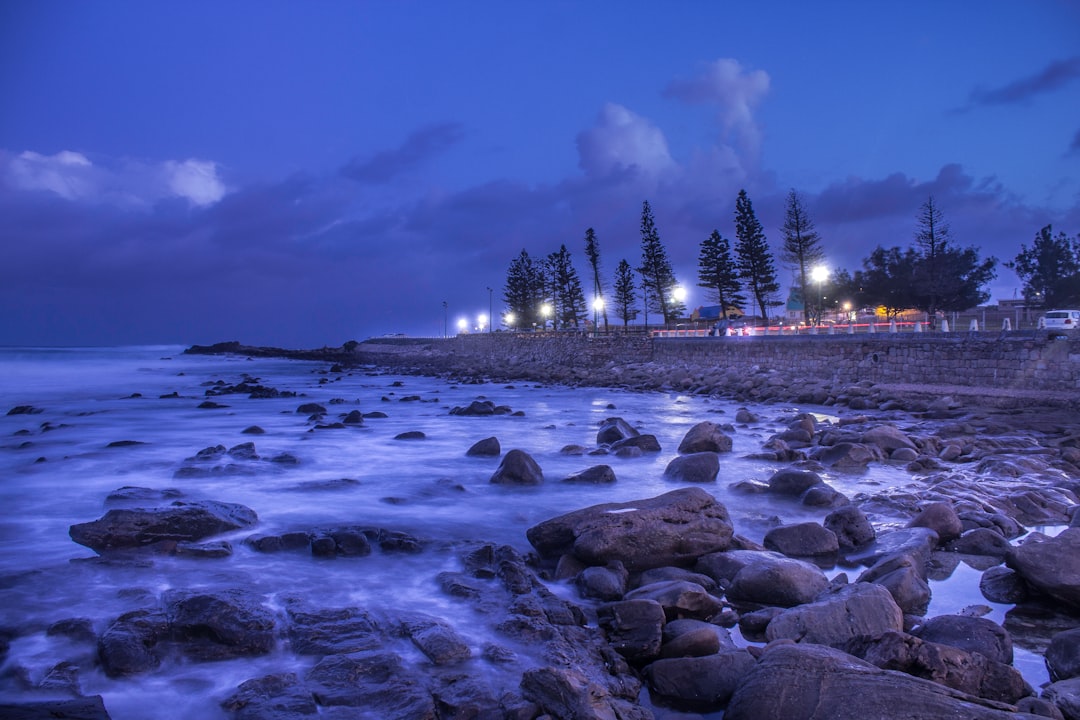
[(462, 324), (545, 310), (598, 304), (481, 320), (819, 274), (679, 293), (509, 319)]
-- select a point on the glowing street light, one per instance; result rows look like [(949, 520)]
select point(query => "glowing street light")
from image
[(598, 307), (509, 319), (481, 322), (679, 293), (819, 274), (545, 313), (462, 325)]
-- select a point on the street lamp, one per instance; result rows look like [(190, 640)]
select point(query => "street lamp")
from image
[(545, 313), (481, 322), (462, 325), (598, 307), (490, 307), (679, 293), (444, 318), (508, 320), (819, 275)]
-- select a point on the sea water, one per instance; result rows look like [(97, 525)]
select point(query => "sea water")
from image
[(108, 418)]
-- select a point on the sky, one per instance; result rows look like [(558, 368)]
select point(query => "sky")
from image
[(302, 174)]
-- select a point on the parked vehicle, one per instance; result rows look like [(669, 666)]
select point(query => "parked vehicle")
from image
[(1062, 320)]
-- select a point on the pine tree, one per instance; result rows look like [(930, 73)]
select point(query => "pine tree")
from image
[(625, 294), (802, 247), (657, 277), (718, 273), (524, 290), (567, 297), (592, 252), (755, 260)]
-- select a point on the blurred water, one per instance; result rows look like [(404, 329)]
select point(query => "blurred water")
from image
[(56, 469)]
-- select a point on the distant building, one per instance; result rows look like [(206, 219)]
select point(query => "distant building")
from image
[(708, 313)]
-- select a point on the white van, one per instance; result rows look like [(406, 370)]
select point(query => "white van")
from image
[(1062, 320)]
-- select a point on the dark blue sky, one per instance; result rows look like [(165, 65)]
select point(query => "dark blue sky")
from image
[(302, 174)]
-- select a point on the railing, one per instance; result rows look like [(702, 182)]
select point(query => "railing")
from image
[(831, 329)]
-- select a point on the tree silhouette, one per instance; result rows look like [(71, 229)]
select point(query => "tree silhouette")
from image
[(755, 261)]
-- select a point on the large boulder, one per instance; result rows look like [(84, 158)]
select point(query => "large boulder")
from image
[(219, 625), (940, 517), (1063, 655), (633, 627), (811, 682), (699, 683), (705, 437), (613, 430), (850, 611), (850, 525), (905, 578), (126, 528), (888, 438), (771, 579), (1050, 564), (974, 634), (518, 468), (376, 681), (680, 599), (699, 467), (671, 529), (806, 539)]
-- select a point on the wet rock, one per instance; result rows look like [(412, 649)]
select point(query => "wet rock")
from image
[(595, 475), (603, 583), (1051, 565), (675, 573), (131, 495), (805, 681), (851, 527), (613, 430), (477, 408), (835, 618), (353, 417), (770, 579), (1063, 655), (126, 646), (311, 408), (802, 540), (210, 405), (974, 634), (219, 625), (24, 410), (919, 543), (904, 577), (686, 637), (1002, 585), (699, 467), (83, 708), (888, 438), (570, 693), (670, 529), (940, 517), (790, 481), (280, 696), (846, 456), (253, 430), (680, 599), (243, 451), (411, 435), (705, 437), (488, 447), (699, 683), (76, 629), (376, 681), (436, 639), (518, 468), (1065, 694), (122, 528), (633, 627), (980, 541), (331, 631), (643, 443), (968, 672)]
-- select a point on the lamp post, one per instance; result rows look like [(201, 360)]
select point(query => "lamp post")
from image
[(508, 320), (679, 293), (490, 307), (545, 313), (462, 325), (819, 275), (444, 318), (598, 307), (481, 322)]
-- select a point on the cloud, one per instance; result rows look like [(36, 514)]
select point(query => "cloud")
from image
[(621, 141), (736, 93), (127, 183), (418, 148), (1052, 77)]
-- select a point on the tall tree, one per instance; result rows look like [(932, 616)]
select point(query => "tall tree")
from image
[(592, 252), (657, 277), (946, 277), (887, 280), (1050, 270), (524, 290), (802, 247), (567, 297), (625, 293), (718, 273), (755, 260)]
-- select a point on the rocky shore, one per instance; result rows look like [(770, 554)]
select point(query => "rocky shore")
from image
[(662, 597)]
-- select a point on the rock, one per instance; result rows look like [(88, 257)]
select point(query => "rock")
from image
[(806, 682), (331, 631), (1065, 694), (219, 625), (940, 517), (271, 697), (411, 435), (680, 599), (1063, 655), (700, 467), (850, 611), (595, 475), (687, 637), (888, 438), (477, 408), (518, 468), (745, 417), (675, 573), (613, 430), (904, 577), (353, 417), (243, 451), (83, 708), (917, 542), (570, 693), (770, 579), (846, 456), (253, 430), (436, 639), (980, 541), (488, 447), (1051, 565), (801, 540), (126, 646), (122, 528), (790, 481), (671, 529), (633, 627), (1002, 585), (378, 682), (699, 683), (953, 667), (24, 410), (974, 634), (603, 583), (850, 526), (705, 437), (311, 408), (644, 443)]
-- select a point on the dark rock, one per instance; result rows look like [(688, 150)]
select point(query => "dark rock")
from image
[(595, 475), (311, 408), (253, 430), (671, 529), (700, 467), (1063, 655), (477, 408), (210, 405), (680, 599), (980, 541), (848, 612), (353, 417), (518, 468), (131, 495), (411, 435), (904, 577), (1051, 565), (888, 438), (687, 637), (124, 443), (699, 683), (350, 541), (244, 451), (613, 430), (644, 443), (1002, 585), (123, 528), (84, 708), (436, 639), (850, 526), (705, 437), (571, 693), (603, 583), (126, 646), (216, 549), (846, 456), (974, 634), (771, 579), (940, 517), (332, 631), (790, 481), (24, 410), (377, 682), (919, 543), (77, 629), (633, 627), (488, 447), (271, 697), (801, 540), (219, 625), (807, 681), (675, 573)]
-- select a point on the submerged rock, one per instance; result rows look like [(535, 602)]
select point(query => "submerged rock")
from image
[(127, 528)]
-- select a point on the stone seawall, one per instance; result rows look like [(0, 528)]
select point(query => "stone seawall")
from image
[(1008, 362)]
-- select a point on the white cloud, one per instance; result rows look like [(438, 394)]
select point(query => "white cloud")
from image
[(623, 140), (125, 183)]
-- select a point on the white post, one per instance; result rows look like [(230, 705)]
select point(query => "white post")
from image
[(873, 327), (832, 329), (944, 325), (892, 326), (918, 326), (1006, 326), (850, 328), (974, 325)]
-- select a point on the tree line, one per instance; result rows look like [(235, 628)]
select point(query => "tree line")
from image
[(933, 274)]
